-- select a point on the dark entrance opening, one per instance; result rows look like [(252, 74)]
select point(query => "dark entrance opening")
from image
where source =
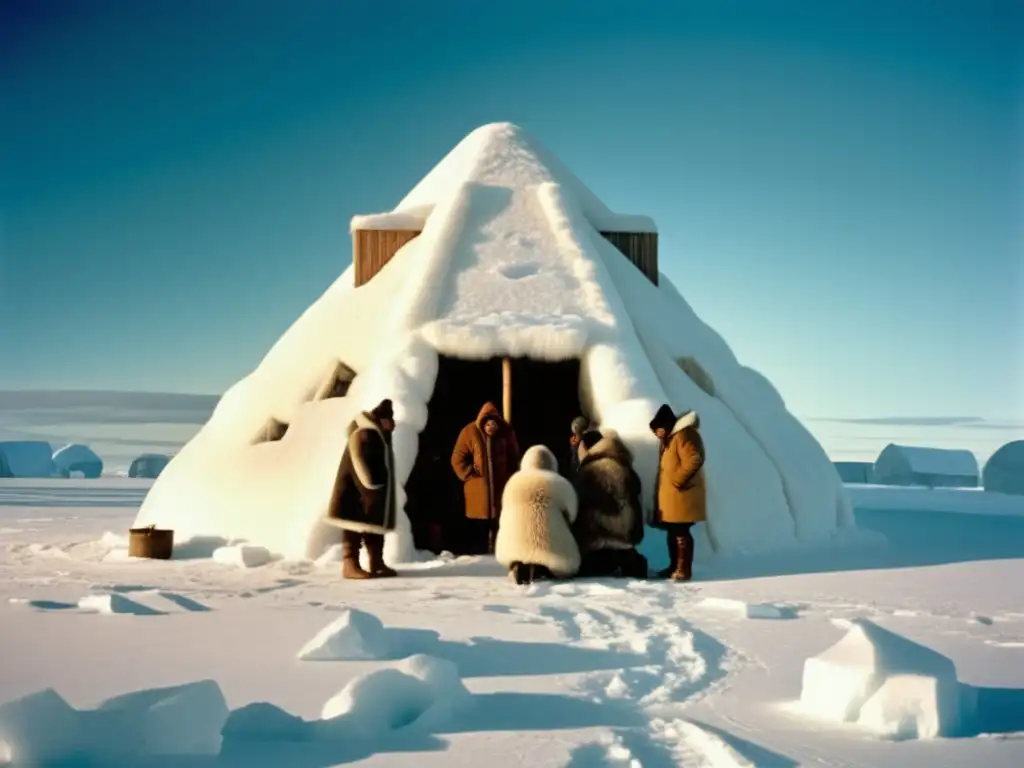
[(545, 399)]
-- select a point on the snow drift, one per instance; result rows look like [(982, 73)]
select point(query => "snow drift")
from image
[(510, 261)]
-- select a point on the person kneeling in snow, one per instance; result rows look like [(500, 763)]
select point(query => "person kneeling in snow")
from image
[(610, 522), (538, 508), (364, 503), (679, 500)]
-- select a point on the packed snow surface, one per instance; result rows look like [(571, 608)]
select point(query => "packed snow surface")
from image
[(575, 673), (510, 262)]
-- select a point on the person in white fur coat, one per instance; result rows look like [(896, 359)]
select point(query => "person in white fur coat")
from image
[(538, 508)]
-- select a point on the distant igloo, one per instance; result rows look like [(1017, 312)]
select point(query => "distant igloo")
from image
[(26, 458), (1004, 470), (927, 467), (499, 277), (77, 460), (148, 465)]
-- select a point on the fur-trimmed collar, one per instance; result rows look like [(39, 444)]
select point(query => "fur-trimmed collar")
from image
[(688, 419), (608, 447), (364, 420)]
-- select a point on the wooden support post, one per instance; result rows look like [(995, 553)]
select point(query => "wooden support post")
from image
[(506, 388)]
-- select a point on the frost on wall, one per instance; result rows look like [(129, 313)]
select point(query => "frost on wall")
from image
[(697, 375), (271, 432)]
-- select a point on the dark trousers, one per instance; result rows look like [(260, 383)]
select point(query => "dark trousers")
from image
[(620, 563), (480, 536)]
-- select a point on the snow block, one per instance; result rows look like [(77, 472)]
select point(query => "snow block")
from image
[(420, 689), (885, 682), (43, 729), (242, 556), (180, 720), (38, 729), (354, 635), (749, 610), (115, 603), (912, 707)]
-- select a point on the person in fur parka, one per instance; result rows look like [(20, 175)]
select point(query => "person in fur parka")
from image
[(610, 523), (364, 502), (538, 508)]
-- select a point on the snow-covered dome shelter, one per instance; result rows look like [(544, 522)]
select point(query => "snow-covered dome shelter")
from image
[(1004, 470), (148, 465), (499, 277), (77, 459), (26, 458), (928, 467)]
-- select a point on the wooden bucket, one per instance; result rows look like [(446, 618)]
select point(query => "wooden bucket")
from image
[(151, 542)]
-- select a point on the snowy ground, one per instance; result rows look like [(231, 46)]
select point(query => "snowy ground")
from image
[(577, 674)]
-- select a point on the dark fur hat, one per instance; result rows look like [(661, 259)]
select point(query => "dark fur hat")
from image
[(384, 411), (665, 418), (591, 438)]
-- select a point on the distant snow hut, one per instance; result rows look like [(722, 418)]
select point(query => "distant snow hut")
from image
[(26, 458), (1004, 470), (854, 471), (148, 465), (77, 459), (929, 467)]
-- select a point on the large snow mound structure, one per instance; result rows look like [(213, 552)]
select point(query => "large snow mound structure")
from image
[(510, 262)]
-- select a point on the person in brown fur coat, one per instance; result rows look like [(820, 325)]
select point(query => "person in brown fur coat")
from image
[(364, 501), (485, 456), (679, 500)]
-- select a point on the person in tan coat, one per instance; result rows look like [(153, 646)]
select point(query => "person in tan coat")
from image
[(679, 491), (485, 456)]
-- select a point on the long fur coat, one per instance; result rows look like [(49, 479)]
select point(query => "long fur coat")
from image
[(609, 493), (538, 508)]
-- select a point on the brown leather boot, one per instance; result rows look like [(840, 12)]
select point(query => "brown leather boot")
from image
[(673, 557), (684, 563), (350, 567), (375, 548)]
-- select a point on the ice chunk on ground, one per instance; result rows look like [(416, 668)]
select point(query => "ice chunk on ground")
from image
[(839, 683), (420, 689), (749, 610), (43, 729), (38, 729), (912, 706), (330, 557), (114, 603), (180, 720), (242, 556), (354, 635)]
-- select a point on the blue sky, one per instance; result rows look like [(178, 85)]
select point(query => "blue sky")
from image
[(838, 189)]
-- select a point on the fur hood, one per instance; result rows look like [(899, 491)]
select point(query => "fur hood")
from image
[(539, 457), (608, 447), (489, 411), (688, 419), (537, 509)]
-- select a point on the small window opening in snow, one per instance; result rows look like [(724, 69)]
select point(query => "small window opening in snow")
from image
[(697, 375), (337, 383), (372, 249), (272, 431)]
